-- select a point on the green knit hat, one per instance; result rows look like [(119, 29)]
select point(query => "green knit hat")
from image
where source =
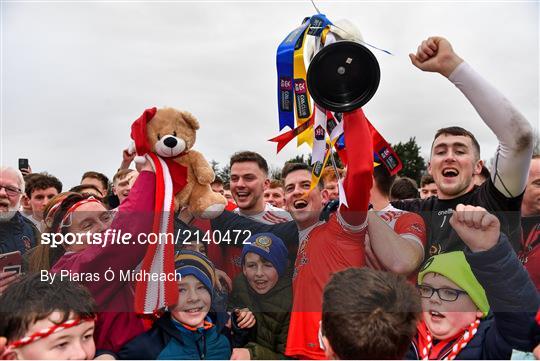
[(455, 267)]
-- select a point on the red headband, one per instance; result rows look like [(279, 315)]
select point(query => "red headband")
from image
[(74, 207), (49, 331)]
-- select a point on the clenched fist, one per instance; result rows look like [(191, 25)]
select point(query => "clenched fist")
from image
[(479, 229), (435, 54)]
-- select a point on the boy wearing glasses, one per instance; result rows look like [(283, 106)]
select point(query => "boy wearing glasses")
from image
[(458, 290)]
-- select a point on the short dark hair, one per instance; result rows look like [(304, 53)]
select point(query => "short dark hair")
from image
[(248, 156), (293, 167), (30, 177), (30, 300), (99, 176), (404, 188), (383, 179), (458, 131), (369, 314), (426, 179), (217, 180), (40, 181)]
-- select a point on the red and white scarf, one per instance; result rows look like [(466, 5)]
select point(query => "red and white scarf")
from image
[(426, 350), (150, 296)]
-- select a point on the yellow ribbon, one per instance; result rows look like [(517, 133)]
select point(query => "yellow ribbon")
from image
[(318, 167), (302, 99)]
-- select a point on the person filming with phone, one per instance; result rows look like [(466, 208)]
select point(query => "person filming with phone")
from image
[(16, 232)]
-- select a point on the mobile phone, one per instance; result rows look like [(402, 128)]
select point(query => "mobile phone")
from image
[(23, 163), (11, 262)]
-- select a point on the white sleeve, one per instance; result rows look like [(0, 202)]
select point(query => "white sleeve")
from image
[(515, 134)]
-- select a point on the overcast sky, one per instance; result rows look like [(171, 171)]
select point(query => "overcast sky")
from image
[(76, 74)]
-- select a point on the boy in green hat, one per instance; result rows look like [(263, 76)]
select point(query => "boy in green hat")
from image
[(458, 288)]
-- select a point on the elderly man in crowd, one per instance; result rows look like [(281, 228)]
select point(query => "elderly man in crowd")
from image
[(17, 233)]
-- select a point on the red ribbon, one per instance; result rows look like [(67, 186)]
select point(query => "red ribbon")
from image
[(283, 139), (386, 155)]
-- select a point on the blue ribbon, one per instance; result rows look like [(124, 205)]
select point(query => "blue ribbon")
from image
[(284, 59), (340, 144), (317, 23)]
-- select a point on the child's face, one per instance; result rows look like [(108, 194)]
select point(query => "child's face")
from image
[(194, 302), (195, 247), (445, 319), (75, 343), (261, 275)]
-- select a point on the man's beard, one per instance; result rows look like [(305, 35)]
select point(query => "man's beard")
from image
[(7, 216)]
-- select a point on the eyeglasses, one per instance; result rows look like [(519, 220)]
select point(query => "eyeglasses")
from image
[(11, 191), (445, 294)]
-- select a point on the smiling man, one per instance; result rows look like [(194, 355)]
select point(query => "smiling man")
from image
[(326, 247), (249, 180), (123, 181), (274, 194), (455, 155), (17, 233)]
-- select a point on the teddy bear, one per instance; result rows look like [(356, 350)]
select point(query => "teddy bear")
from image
[(171, 134)]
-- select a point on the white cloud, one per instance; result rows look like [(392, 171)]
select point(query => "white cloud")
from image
[(75, 75)]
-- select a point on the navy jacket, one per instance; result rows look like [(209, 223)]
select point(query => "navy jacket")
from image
[(168, 341), (513, 300), (18, 234)]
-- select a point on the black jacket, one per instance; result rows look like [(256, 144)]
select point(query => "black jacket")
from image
[(18, 234)]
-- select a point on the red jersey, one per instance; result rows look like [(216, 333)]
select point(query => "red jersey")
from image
[(328, 247), (408, 225)]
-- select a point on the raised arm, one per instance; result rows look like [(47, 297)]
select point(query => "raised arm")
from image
[(511, 294), (134, 217), (359, 178), (513, 131)]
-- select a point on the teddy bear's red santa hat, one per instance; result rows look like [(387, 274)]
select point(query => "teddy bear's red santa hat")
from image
[(139, 133)]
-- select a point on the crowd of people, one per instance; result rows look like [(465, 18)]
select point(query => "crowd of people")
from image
[(449, 269)]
